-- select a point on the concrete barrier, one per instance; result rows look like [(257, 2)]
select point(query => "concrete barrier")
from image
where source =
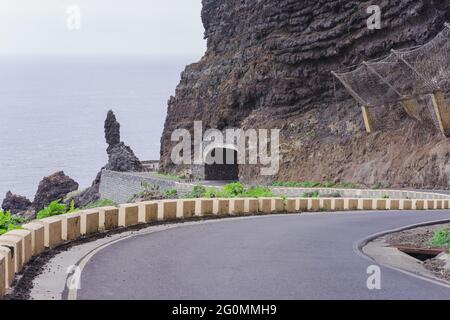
[(221, 207), (148, 211), (7, 254), (15, 245), (303, 204), (90, 221), (265, 205), (394, 204), (108, 218), (186, 209), (128, 215), (406, 204), (204, 207), (314, 204), (167, 210), (326, 204), (237, 206), (27, 246), (419, 204), (279, 205), (37, 237), (291, 205), (251, 206), (2, 275), (52, 231), (339, 204), (71, 226)]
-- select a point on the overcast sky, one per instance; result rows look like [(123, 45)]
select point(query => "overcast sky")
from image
[(107, 27)]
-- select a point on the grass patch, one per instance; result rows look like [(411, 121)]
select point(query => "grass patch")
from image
[(441, 238), (231, 190), (101, 203)]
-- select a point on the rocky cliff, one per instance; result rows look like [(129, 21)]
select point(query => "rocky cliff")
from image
[(268, 64)]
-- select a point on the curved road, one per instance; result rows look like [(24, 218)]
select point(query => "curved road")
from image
[(272, 257)]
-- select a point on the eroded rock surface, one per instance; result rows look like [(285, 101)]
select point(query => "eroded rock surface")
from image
[(268, 65), (15, 203), (53, 187)]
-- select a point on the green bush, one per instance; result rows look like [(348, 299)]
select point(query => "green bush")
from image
[(55, 208), (197, 192), (171, 193), (232, 190), (258, 192), (441, 238), (9, 222)]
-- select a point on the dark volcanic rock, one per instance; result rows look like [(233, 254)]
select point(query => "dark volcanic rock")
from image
[(89, 195), (267, 66), (120, 158), (123, 159), (112, 129), (15, 203), (53, 187)]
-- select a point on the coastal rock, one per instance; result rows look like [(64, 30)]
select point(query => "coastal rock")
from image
[(123, 159), (267, 66), (84, 197), (112, 129), (15, 203), (120, 158), (53, 187)]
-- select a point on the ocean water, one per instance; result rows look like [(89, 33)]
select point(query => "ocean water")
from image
[(52, 112)]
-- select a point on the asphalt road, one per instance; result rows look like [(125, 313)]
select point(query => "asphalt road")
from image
[(271, 257)]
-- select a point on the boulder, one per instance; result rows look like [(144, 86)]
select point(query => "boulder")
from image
[(15, 203), (53, 187)]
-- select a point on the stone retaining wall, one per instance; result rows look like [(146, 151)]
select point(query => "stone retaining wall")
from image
[(121, 186)]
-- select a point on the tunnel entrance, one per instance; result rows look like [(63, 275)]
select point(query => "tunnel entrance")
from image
[(227, 169)]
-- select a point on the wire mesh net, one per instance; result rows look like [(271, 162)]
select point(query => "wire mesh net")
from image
[(404, 79)]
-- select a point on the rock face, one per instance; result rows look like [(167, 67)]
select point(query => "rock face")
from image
[(268, 64), (53, 187), (15, 203)]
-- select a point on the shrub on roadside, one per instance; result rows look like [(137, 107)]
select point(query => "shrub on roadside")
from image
[(56, 208), (441, 238), (9, 222)]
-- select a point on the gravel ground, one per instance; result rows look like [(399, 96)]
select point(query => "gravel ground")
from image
[(421, 238)]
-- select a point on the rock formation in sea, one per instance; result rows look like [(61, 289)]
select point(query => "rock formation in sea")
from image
[(53, 187), (120, 158), (268, 65), (15, 203)]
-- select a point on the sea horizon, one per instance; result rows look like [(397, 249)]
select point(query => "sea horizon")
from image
[(53, 108)]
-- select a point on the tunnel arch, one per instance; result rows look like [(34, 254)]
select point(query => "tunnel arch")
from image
[(225, 170)]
